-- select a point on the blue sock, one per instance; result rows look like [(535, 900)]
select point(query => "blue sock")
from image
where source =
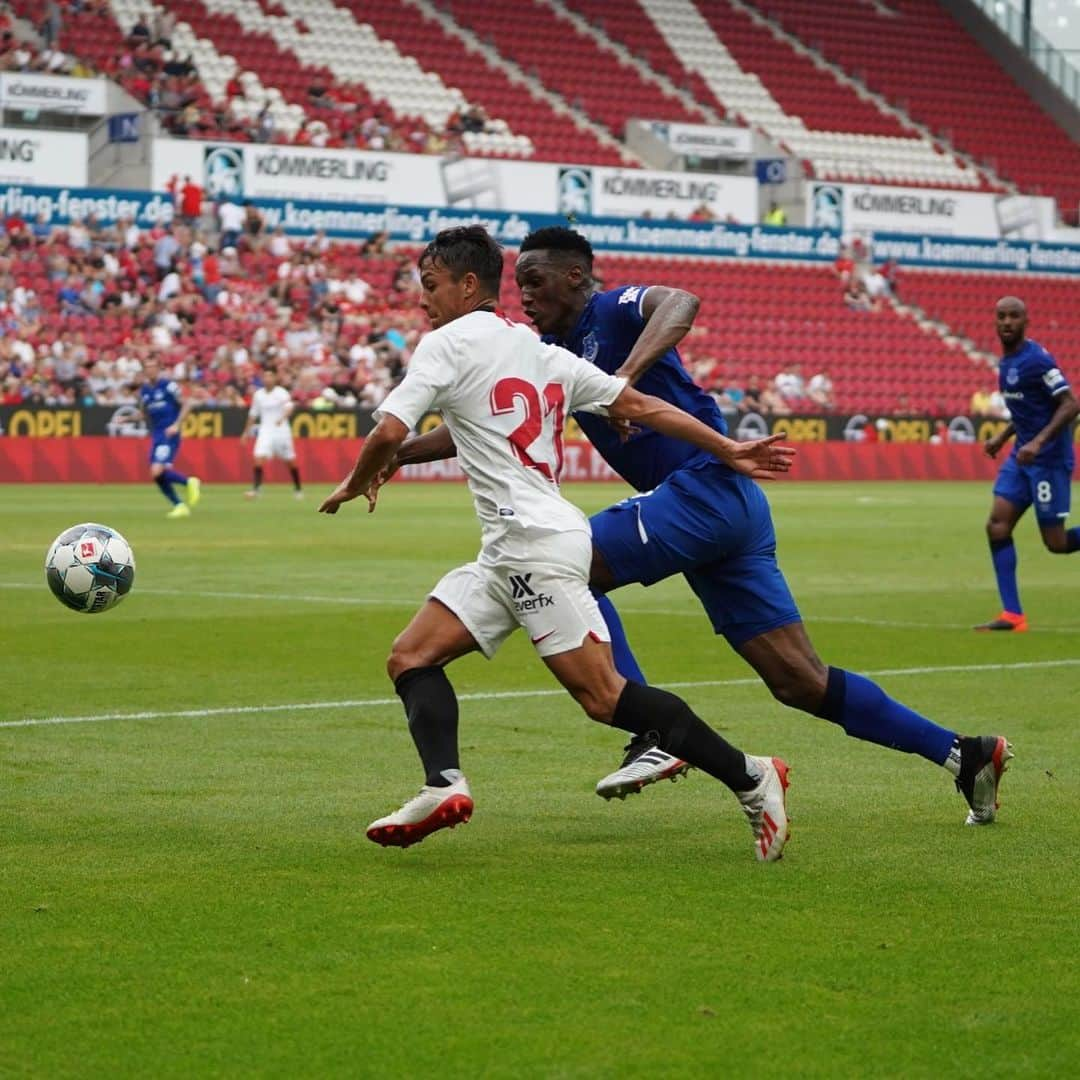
[(1072, 539), (866, 712), (174, 477), (165, 484), (1003, 554), (625, 662)]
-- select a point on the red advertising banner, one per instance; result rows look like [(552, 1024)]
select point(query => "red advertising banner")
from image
[(103, 460)]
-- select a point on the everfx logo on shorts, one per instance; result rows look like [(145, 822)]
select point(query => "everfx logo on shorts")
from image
[(525, 597)]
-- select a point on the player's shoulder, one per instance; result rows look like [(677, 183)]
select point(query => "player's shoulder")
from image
[(1039, 353), (622, 296)]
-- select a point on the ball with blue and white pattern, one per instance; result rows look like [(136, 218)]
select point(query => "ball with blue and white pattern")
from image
[(90, 568)]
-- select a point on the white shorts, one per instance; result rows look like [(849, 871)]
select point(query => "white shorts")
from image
[(546, 592), (275, 442)]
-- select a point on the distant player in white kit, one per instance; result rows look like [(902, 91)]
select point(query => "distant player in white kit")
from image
[(504, 395), (271, 407)]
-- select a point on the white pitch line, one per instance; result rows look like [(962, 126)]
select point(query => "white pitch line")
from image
[(370, 601), (359, 703)]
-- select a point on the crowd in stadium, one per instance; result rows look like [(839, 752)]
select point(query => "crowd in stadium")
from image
[(154, 73), (82, 307)]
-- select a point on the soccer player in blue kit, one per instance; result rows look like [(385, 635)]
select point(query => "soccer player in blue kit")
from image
[(164, 409), (1038, 472), (696, 517)]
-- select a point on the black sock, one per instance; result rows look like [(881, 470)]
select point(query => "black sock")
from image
[(645, 708), (432, 708), (295, 472), (258, 477)]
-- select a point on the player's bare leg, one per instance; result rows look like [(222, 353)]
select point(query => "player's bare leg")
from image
[(999, 532), (434, 637), (760, 783)]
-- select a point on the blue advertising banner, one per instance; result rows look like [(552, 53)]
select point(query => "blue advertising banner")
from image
[(633, 235)]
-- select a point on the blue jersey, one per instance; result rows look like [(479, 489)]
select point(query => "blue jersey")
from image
[(1031, 382), (604, 335), (161, 403)]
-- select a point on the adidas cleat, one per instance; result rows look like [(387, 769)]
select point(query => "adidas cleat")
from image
[(766, 808), (983, 759), (433, 809), (645, 763)]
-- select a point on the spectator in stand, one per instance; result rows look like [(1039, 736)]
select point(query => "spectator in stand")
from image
[(52, 26), (820, 391), (890, 271), (791, 385), (903, 406), (702, 212), (877, 288), (140, 33), (280, 248), (772, 402), (855, 295), (254, 226), (980, 402), (231, 218), (751, 399), (191, 202), (844, 265), (776, 216), (166, 247)]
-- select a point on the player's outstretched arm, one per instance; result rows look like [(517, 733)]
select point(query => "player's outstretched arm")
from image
[(760, 459), (378, 451), (434, 445), (669, 314)]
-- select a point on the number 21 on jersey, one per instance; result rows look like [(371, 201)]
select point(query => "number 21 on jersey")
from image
[(506, 395)]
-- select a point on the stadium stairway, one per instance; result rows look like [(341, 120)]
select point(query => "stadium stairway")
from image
[(612, 92), (838, 154), (465, 61), (919, 58)]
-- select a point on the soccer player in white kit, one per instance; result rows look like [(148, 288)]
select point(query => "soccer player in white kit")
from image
[(504, 396), (271, 407)]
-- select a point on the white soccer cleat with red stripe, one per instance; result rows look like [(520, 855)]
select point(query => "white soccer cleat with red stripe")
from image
[(766, 807), (433, 809)]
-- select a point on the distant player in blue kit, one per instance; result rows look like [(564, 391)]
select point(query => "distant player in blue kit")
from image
[(1038, 472), (164, 409), (697, 518)]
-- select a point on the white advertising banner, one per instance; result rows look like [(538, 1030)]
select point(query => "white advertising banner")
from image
[(52, 93), (608, 192), (706, 140), (42, 158), (243, 170), (282, 172), (869, 208)]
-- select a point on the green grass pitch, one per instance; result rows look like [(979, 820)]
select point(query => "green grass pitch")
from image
[(189, 892)]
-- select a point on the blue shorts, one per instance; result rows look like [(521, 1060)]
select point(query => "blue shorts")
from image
[(1046, 487), (714, 528), (163, 449)]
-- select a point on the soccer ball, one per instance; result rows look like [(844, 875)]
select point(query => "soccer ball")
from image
[(90, 568)]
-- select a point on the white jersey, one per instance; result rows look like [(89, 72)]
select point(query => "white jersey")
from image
[(504, 395), (270, 407)]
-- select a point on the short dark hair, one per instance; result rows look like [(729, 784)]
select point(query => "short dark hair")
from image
[(468, 248), (559, 238)]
